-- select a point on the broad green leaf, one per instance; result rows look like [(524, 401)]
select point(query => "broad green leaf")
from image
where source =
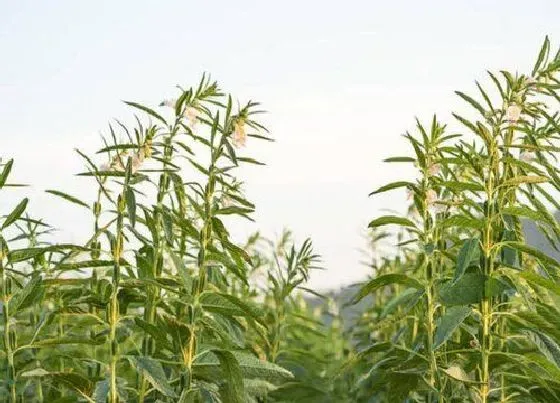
[(208, 365), (469, 251), (409, 298), (544, 258), (233, 391), (153, 372), (535, 279), (101, 391), (547, 346), (457, 373), (469, 289), (383, 280), (452, 318), (229, 305), (25, 297)]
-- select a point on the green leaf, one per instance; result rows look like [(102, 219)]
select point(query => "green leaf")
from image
[(208, 366), (153, 372), (409, 298), (469, 289), (520, 211), (228, 305), (452, 318), (391, 186), (471, 101), (542, 54), (521, 179), (536, 280), (131, 205), (387, 220), (68, 197), (457, 373), (15, 214), (399, 159), (25, 296), (149, 111), (547, 346), (544, 258), (383, 280), (469, 251), (6, 172), (101, 391), (233, 391)]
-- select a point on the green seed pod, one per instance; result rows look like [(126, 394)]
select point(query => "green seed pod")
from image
[(121, 204), (96, 208)]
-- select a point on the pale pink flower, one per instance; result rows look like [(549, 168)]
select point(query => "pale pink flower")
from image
[(409, 194), (104, 167), (513, 113), (431, 197), (434, 169), (239, 136), (527, 156), (191, 114), (137, 160), (432, 202)]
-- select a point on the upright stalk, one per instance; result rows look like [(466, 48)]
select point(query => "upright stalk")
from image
[(114, 303), (152, 291), (488, 241), (8, 334)]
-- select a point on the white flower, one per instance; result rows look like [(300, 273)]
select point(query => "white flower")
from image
[(432, 202), (239, 136), (169, 103), (409, 194), (434, 169), (513, 113), (137, 160), (431, 197), (226, 201), (527, 156), (192, 116)]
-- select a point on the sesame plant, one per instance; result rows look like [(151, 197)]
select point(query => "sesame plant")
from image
[(161, 303), (467, 310), (156, 305)]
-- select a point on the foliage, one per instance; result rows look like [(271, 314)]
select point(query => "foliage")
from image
[(161, 304)]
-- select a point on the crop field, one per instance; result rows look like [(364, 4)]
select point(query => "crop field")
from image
[(161, 304)]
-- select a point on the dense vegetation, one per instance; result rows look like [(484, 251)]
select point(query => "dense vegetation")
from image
[(161, 305)]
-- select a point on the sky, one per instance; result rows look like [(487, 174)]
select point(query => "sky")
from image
[(341, 81)]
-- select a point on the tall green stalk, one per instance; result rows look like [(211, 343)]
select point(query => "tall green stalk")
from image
[(118, 250)]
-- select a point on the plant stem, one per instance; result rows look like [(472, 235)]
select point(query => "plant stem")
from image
[(10, 369), (114, 303), (153, 292)]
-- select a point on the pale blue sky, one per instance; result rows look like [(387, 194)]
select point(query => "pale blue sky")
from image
[(341, 82)]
